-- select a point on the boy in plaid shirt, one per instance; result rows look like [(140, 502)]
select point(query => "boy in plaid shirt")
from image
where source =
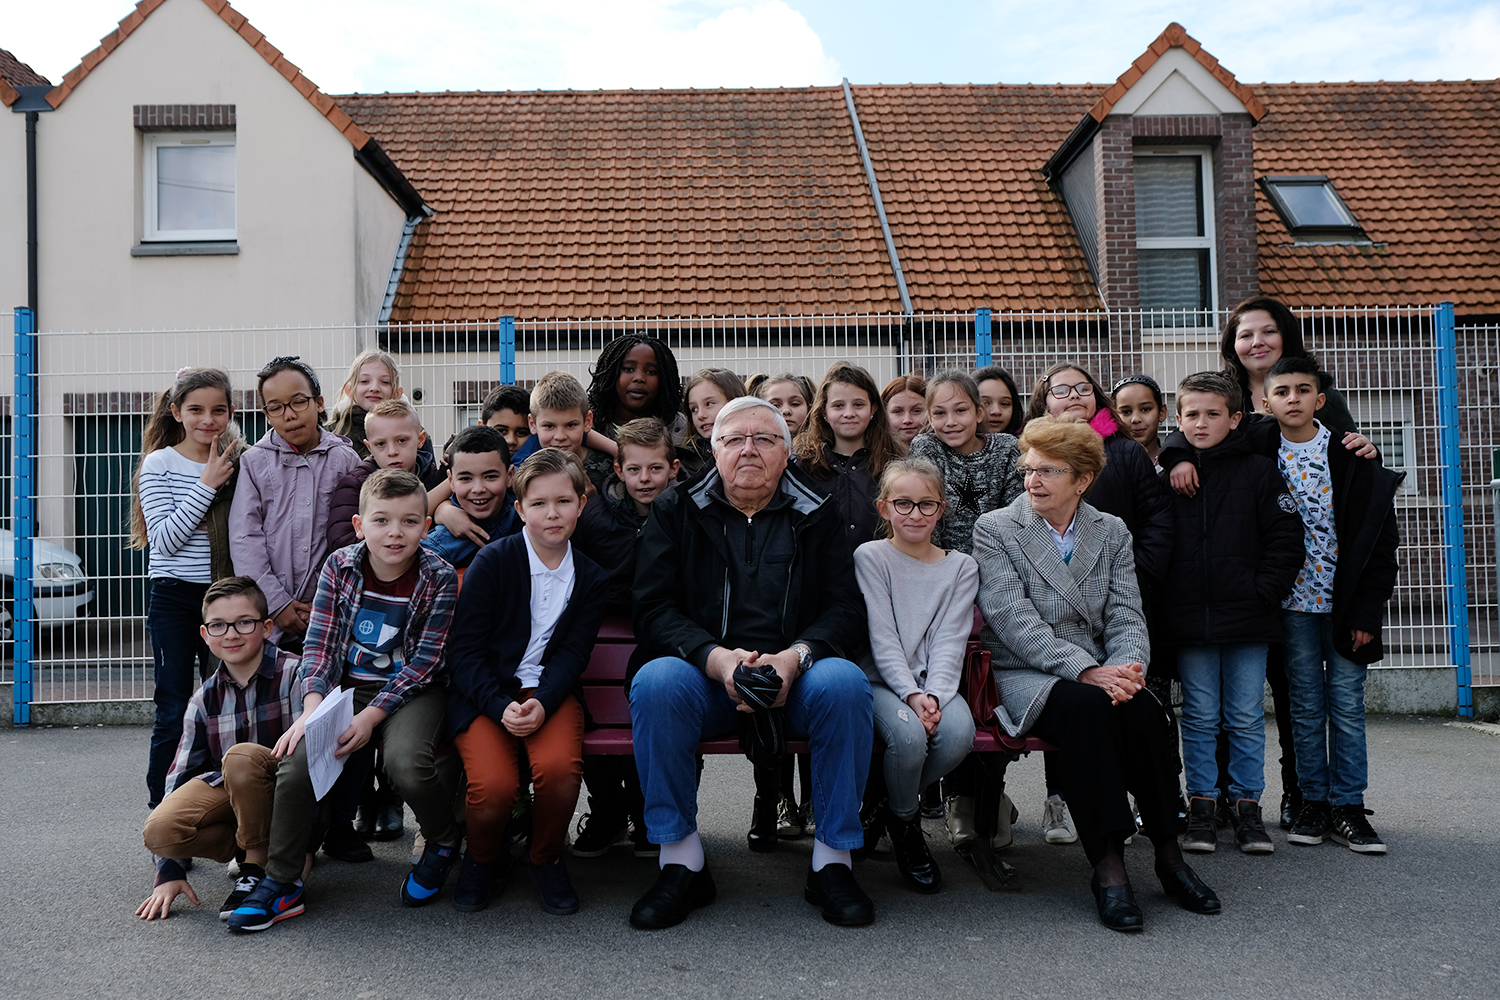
[(224, 775), (378, 624)]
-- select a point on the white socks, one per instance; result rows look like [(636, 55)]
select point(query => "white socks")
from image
[(825, 855), (687, 852)]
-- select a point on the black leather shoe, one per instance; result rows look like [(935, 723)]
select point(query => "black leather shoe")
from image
[(477, 883), (390, 821), (762, 836), (1291, 805), (1190, 891), (364, 821), (913, 859), (844, 903), (345, 845), (677, 893), (1117, 907)]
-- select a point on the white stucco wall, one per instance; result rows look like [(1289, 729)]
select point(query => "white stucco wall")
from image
[(304, 205)]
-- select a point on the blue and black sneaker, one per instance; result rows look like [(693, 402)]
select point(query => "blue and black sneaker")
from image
[(426, 879), (268, 903)]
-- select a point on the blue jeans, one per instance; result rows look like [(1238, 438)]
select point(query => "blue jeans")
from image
[(182, 661), (1225, 683), (673, 706), (1328, 712), (914, 760)]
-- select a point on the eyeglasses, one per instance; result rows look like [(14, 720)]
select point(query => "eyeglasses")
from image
[(763, 442), (906, 506), (1045, 471), (296, 404), (1084, 390), (244, 626)]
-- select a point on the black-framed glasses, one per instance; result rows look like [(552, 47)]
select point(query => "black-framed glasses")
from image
[(763, 442), (296, 404), (1084, 390), (928, 508), (244, 626)]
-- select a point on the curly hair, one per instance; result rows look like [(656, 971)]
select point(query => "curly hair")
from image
[(604, 396)]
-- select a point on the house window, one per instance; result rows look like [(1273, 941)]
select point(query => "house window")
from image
[(1312, 209), (1174, 229), (189, 186)]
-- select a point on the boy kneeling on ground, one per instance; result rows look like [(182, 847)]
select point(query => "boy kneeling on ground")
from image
[(220, 796), (379, 624)]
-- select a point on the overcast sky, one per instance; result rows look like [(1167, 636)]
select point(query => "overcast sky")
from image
[(398, 45)]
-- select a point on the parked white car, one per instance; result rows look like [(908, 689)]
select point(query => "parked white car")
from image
[(59, 586)]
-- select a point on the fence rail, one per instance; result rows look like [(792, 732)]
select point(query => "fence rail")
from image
[(84, 638)]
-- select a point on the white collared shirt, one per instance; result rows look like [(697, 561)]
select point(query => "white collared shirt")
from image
[(550, 590), (1063, 539)]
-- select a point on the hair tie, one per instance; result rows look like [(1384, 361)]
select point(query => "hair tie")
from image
[(183, 371)]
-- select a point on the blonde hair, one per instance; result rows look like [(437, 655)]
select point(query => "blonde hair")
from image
[(922, 468), (391, 484), (544, 463), (341, 419), (643, 432), (1070, 441), (396, 408), (559, 391)]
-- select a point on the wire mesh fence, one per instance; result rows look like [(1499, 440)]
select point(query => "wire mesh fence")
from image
[(95, 389), (1478, 400)]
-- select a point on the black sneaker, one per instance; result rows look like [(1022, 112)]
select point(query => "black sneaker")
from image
[(1202, 834), (640, 845), (558, 896), (932, 803), (1291, 805), (596, 836), (1314, 822), (1351, 829), (475, 884), (345, 844), (426, 879), (249, 877), (1250, 829), (269, 903)]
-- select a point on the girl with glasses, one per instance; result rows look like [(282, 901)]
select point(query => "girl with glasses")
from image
[(280, 513), (920, 602)]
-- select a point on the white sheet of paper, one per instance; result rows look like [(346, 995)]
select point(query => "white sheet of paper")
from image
[(324, 726)]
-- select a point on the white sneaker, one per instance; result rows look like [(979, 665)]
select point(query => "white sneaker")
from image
[(1057, 822)]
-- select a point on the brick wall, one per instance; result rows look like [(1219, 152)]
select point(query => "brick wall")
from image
[(1234, 204), (184, 116)]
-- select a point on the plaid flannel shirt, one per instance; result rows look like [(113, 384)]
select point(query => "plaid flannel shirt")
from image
[(221, 714), (331, 626)]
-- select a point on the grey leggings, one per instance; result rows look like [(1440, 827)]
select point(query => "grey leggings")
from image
[(913, 760)]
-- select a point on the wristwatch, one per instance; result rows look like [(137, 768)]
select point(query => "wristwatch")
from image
[(804, 657)]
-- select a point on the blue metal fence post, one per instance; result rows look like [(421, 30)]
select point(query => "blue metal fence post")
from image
[(984, 353), (1450, 470), (23, 523), (508, 350)]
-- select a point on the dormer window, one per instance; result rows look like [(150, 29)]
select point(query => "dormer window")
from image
[(1174, 228), (1312, 209)]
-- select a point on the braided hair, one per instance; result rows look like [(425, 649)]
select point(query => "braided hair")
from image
[(604, 397)]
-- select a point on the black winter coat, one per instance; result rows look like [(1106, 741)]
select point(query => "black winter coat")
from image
[(608, 530), (1236, 552), (849, 485), (1129, 489), (682, 574), (1364, 519)]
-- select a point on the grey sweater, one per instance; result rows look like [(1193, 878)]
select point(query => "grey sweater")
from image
[(920, 618), (973, 484)]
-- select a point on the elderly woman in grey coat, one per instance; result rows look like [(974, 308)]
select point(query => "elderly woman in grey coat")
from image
[(1069, 650)]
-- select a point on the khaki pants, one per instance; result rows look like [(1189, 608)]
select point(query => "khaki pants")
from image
[(202, 821)]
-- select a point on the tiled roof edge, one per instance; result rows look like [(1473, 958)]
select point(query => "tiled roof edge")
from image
[(8, 94), (1176, 37), (326, 107)]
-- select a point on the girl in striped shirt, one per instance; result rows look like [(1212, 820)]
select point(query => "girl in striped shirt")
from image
[(179, 513)]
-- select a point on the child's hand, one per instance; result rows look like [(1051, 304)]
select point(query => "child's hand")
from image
[(926, 707), (1184, 479), (288, 743), (359, 732), (1360, 638), (460, 524), (1360, 445), (523, 719), (158, 905), (219, 468)]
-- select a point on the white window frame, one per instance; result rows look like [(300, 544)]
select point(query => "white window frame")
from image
[(153, 142), (1208, 241), (1392, 411)]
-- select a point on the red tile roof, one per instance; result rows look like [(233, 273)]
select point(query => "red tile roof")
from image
[(1175, 35), (1419, 166), (270, 53), (631, 203), (14, 73)]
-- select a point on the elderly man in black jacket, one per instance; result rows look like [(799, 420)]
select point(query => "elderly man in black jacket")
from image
[(747, 566)]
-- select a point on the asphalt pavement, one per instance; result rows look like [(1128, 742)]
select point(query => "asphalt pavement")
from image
[(1305, 922)]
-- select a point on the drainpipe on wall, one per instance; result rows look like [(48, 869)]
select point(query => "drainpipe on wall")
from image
[(32, 103)]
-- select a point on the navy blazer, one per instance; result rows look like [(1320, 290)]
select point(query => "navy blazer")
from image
[(492, 628)]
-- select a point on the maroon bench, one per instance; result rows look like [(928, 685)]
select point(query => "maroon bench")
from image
[(609, 706)]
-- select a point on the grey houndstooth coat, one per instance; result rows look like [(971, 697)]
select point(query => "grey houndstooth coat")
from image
[(1046, 619)]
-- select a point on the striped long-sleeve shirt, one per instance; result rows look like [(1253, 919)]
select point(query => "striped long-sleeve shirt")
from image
[(174, 502)]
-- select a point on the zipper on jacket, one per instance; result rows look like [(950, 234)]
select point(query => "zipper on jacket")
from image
[(1203, 552)]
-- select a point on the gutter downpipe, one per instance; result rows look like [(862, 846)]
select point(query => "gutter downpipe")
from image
[(885, 229)]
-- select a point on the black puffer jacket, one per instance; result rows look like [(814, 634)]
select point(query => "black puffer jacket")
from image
[(1364, 517), (682, 573), (1237, 549), (607, 532), (1128, 489)]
